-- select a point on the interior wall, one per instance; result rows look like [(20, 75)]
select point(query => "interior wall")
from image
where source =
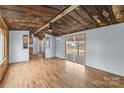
[(16, 51), (36, 45), (96, 48), (50, 52), (116, 49), (104, 48)]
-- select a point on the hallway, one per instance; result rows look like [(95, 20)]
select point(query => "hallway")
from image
[(56, 73)]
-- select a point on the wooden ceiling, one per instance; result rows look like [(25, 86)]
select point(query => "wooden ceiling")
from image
[(32, 17)]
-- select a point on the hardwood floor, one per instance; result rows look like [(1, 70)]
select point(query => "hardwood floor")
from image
[(57, 73)]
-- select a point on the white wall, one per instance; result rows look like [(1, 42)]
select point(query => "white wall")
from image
[(60, 47), (36, 46), (104, 48), (50, 52), (96, 48), (116, 49), (16, 51)]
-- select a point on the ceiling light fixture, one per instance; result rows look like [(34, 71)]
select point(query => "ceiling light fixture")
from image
[(32, 35)]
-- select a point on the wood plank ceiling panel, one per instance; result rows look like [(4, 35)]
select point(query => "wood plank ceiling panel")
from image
[(28, 11), (74, 22), (57, 7), (67, 27), (57, 30), (60, 27), (86, 16), (27, 17), (80, 20), (32, 17), (105, 13), (118, 11), (91, 9), (69, 24)]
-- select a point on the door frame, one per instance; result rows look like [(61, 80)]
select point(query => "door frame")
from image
[(4, 61), (5, 36)]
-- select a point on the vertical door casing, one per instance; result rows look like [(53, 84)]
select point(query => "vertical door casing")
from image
[(4, 62)]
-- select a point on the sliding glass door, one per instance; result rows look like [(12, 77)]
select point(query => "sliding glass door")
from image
[(80, 49), (70, 47), (75, 48)]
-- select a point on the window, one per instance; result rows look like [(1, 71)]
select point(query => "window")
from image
[(1, 46)]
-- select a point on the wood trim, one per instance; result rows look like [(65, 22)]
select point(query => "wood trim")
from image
[(4, 62)]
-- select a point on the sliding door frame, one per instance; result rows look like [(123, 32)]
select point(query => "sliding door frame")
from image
[(74, 40)]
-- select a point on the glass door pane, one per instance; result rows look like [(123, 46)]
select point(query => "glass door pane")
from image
[(80, 50), (76, 50), (70, 45)]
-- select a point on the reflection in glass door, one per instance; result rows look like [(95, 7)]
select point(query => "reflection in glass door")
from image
[(75, 49), (80, 49), (70, 45)]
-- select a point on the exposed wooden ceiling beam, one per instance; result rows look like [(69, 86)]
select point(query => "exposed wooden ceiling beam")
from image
[(60, 15)]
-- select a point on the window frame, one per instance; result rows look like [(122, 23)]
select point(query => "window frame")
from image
[(4, 52)]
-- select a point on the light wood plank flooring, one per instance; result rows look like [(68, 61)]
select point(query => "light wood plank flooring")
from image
[(57, 73)]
